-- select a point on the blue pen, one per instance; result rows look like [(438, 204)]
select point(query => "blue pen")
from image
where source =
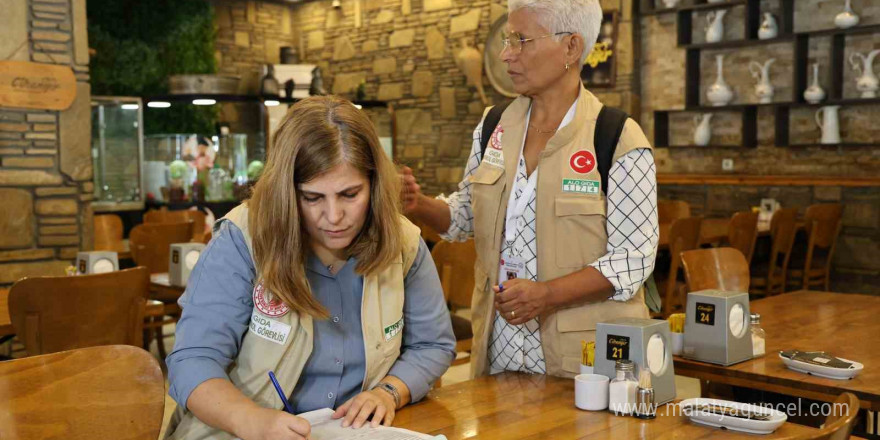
[(280, 393)]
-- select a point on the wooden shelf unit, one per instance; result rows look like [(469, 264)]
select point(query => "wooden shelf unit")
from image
[(801, 48)]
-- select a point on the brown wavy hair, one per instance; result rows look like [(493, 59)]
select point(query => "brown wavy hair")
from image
[(318, 134)]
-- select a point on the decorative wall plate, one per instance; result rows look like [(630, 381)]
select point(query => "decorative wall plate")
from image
[(496, 69)]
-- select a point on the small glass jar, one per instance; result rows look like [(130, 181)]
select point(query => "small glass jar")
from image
[(622, 389), (758, 336)]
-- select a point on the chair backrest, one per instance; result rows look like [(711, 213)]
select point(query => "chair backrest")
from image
[(743, 232), (51, 314), (782, 233), (684, 235), (98, 393), (108, 232), (823, 223), (839, 423), (716, 268), (455, 265), (180, 216), (669, 210), (151, 243)]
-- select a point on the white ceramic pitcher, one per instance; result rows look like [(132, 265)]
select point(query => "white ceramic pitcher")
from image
[(829, 124)]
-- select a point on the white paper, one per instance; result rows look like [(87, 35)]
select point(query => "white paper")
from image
[(326, 428), (737, 320)]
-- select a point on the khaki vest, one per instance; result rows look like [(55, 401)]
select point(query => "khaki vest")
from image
[(570, 231), (381, 308)]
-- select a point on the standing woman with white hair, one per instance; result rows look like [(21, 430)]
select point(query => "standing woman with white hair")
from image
[(558, 248)]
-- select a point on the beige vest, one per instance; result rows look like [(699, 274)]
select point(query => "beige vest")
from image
[(570, 231), (381, 312)]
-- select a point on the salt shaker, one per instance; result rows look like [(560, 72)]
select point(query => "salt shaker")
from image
[(622, 389), (758, 336)]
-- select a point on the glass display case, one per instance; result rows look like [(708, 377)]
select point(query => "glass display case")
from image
[(117, 153)]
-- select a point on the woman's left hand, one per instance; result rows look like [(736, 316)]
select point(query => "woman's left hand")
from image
[(359, 408), (521, 300)]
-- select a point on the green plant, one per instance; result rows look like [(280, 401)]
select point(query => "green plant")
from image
[(139, 44)]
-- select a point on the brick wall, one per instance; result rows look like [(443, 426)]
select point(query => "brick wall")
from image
[(45, 156)]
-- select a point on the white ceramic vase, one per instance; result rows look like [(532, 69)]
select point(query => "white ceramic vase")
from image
[(763, 89), (847, 18), (769, 29), (719, 93), (702, 129), (867, 82), (829, 124), (814, 94), (715, 26)]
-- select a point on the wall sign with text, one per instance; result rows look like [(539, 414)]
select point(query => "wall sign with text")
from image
[(34, 85)]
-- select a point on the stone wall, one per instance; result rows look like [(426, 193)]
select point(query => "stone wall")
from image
[(403, 51), (45, 156)]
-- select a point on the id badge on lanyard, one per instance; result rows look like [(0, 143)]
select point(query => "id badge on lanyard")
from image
[(512, 263)]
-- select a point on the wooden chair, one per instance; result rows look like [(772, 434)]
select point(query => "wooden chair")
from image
[(108, 233), (98, 393), (151, 242), (716, 268), (684, 235), (165, 216), (811, 267), (743, 232), (455, 265), (669, 210), (52, 314), (768, 278), (839, 424)]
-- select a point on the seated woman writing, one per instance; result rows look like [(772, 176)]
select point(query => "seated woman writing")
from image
[(318, 278)]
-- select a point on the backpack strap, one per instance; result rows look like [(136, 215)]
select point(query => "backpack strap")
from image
[(609, 126), (489, 124)]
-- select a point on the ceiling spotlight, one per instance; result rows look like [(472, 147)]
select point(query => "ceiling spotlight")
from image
[(204, 102), (271, 103), (336, 4), (130, 106), (158, 104)]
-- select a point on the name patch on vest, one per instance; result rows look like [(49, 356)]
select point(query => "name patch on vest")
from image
[(493, 155), (269, 329), (272, 308), (580, 186), (392, 330)]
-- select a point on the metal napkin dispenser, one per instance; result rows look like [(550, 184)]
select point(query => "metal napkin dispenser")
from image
[(716, 328), (95, 262), (646, 342)]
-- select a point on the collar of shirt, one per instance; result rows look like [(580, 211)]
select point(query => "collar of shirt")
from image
[(314, 264)]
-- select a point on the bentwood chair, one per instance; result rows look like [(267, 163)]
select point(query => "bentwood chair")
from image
[(768, 277), (684, 235), (811, 266), (179, 216), (743, 233), (455, 265), (97, 393), (722, 268), (52, 314)]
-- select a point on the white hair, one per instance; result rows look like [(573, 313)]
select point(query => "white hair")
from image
[(583, 17)]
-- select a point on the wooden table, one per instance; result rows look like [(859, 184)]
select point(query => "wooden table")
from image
[(714, 230), (520, 406), (162, 290), (846, 325)]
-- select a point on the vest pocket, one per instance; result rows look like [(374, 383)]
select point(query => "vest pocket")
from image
[(572, 328), (580, 230), (486, 191)]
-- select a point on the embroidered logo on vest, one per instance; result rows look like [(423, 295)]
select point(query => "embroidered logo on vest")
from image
[(272, 308), (582, 162), (493, 155)]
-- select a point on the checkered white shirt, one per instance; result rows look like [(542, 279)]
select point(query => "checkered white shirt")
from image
[(633, 234)]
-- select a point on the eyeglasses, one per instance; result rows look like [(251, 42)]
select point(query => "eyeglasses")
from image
[(515, 41)]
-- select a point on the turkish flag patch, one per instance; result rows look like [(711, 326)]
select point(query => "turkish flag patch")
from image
[(582, 162)]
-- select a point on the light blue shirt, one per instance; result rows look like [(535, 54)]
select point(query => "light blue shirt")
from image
[(217, 307)]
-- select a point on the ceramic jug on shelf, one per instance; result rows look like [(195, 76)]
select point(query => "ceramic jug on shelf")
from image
[(814, 94), (769, 29), (715, 26), (702, 129), (867, 82), (763, 89), (847, 18), (719, 93), (829, 124)]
